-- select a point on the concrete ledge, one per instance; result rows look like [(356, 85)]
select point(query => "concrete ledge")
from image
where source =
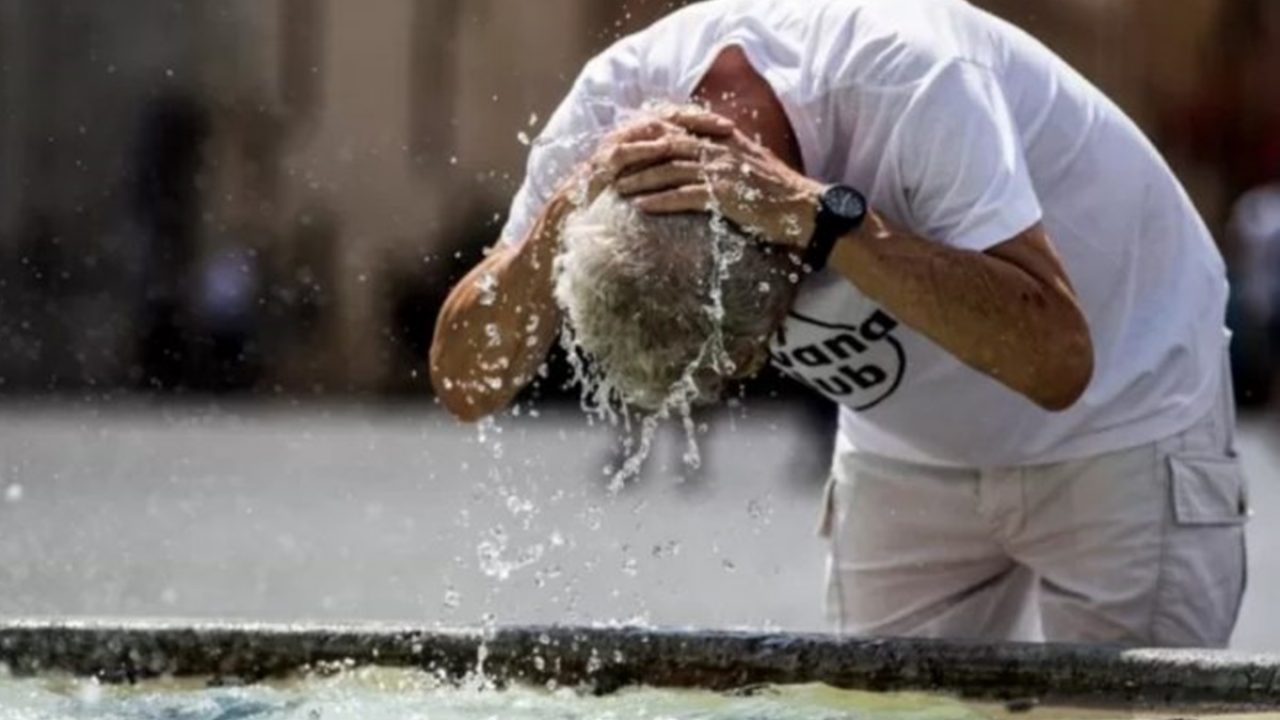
[(609, 658)]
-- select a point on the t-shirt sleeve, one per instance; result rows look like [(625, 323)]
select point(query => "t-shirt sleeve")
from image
[(557, 150), (962, 161), (569, 138)]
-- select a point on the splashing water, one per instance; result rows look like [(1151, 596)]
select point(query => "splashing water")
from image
[(389, 694), (602, 399), (487, 284), (498, 561)]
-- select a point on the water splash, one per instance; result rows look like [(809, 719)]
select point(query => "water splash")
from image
[(343, 692), (601, 399), (487, 285), (499, 561)]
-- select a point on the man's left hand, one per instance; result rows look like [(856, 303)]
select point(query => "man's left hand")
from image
[(737, 177)]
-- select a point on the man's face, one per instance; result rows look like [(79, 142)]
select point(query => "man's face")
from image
[(753, 364), (750, 356)]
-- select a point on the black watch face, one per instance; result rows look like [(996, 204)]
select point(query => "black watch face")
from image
[(845, 202)]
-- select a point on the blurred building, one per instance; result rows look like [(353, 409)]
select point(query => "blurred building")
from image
[(333, 146), (344, 162)]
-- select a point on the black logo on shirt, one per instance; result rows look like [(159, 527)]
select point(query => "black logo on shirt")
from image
[(858, 366)]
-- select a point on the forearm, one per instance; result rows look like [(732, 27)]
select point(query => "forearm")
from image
[(498, 323), (1009, 312), (1000, 317)]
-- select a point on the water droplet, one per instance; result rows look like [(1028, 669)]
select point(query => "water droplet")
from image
[(671, 548), (89, 692), (487, 284), (519, 506)]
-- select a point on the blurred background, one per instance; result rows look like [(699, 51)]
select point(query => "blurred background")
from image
[(226, 227)]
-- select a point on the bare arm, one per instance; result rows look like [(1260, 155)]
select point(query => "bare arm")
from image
[(1009, 312), (498, 323)]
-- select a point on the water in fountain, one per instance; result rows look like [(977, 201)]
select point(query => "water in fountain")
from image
[(387, 694)]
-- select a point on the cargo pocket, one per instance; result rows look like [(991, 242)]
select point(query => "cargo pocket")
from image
[(1208, 490), (1202, 575)]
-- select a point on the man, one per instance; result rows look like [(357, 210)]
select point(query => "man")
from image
[(1025, 331)]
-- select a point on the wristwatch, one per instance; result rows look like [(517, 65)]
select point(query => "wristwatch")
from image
[(841, 210)]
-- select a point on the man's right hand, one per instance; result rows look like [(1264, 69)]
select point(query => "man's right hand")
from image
[(668, 135)]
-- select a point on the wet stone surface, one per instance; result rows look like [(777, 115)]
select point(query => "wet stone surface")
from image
[(606, 660)]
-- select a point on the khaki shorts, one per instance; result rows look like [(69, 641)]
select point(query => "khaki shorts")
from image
[(1138, 547)]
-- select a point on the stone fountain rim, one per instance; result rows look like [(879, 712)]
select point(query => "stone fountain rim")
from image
[(605, 658)]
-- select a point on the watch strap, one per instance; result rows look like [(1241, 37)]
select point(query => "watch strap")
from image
[(831, 224), (818, 252)]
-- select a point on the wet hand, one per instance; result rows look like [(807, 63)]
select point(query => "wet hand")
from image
[(734, 176), (645, 142)]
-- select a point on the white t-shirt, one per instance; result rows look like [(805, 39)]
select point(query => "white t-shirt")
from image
[(962, 129)]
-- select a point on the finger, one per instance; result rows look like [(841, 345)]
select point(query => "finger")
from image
[(652, 152), (736, 141), (643, 130), (702, 122), (688, 198), (666, 124), (660, 177)]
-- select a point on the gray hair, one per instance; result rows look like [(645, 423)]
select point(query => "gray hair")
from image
[(668, 306)]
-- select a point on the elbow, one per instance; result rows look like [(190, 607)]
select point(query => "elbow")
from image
[(462, 405), (449, 366), (450, 383), (462, 410), (1068, 370), (453, 392)]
